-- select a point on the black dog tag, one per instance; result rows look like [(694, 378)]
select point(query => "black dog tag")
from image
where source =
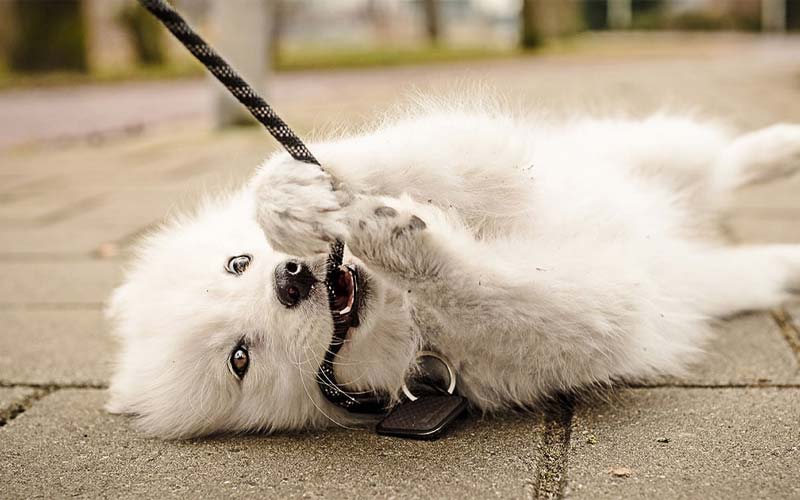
[(425, 418)]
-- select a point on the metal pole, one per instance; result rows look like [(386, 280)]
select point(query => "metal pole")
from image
[(773, 15), (620, 14)]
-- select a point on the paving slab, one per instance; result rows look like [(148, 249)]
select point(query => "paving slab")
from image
[(768, 213), (119, 219), (95, 209), (158, 160), (792, 329), (133, 209), (66, 445), (11, 398), (57, 282), (10, 180), (755, 229), (59, 242), (22, 179), (687, 443), (793, 308), (746, 350), (783, 194), (54, 347), (26, 209)]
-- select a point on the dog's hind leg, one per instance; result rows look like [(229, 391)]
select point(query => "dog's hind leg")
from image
[(727, 280)]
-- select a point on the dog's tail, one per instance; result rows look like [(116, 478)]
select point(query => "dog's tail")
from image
[(758, 157)]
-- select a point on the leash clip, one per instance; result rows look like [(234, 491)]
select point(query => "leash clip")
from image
[(451, 373)]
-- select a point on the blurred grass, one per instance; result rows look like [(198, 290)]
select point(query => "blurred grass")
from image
[(592, 44), (302, 57), (311, 57), (290, 59)]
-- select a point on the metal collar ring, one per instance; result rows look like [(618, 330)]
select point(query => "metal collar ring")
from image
[(451, 373)]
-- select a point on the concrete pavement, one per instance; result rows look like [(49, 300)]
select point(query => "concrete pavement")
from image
[(69, 213), (688, 443)]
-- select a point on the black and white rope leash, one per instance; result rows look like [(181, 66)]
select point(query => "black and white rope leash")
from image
[(326, 379), (223, 72)]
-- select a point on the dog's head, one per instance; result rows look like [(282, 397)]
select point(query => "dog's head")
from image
[(219, 332)]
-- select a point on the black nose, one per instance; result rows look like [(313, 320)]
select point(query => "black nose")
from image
[(293, 282)]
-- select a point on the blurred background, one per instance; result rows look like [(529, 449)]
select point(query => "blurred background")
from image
[(115, 39), (107, 123), (72, 42)]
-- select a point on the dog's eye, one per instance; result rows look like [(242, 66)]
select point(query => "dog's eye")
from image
[(240, 360), (237, 265)]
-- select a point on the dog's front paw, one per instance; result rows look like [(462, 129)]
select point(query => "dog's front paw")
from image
[(299, 207), (388, 233)]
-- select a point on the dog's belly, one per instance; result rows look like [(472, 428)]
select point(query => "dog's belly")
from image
[(490, 373), (429, 326)]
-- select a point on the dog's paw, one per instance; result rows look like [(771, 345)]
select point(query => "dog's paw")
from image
[(299, 207), (387, 232)]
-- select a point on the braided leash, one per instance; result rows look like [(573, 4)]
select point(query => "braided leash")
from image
[(263, 112), (223, 72)]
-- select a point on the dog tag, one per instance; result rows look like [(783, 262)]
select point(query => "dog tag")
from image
[(427, 414), (425, 418)]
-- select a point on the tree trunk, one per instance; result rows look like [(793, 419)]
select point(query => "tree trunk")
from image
[(620, 14), (432, 20), (530, 36), (50, 36), (773, 15)]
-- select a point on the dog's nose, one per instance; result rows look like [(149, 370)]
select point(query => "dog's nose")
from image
[(293, 282)]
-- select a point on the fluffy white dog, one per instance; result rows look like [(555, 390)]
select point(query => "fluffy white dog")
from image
[(536, 258)]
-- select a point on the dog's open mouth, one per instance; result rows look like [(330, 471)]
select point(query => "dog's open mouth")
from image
[(343, 298), (344, 287)]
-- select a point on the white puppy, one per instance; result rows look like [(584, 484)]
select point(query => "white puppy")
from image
[(535, 258)]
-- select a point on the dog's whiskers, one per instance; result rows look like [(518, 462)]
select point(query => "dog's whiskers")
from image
[(361, 376), (340, 363), (326, 381)]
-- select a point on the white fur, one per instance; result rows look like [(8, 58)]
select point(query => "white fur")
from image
[(553, 257)]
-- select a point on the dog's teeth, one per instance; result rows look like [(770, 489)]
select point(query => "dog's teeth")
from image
[(346, 309)]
